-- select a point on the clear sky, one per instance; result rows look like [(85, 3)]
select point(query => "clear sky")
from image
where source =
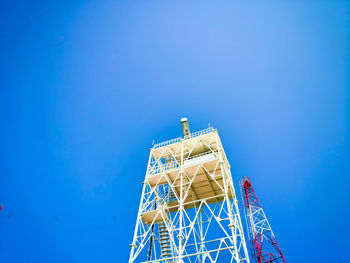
[(86, 86)]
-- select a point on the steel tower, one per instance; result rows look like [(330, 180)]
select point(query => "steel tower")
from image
[(263, 243), (188, 210)]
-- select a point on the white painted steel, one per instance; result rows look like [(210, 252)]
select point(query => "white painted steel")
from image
[(188, 193)]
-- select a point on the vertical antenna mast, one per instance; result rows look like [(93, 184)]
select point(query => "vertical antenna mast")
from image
[(263, 243)]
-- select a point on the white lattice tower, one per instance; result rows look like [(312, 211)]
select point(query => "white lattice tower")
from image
[(188, 210)]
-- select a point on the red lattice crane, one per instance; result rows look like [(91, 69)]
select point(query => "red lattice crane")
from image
[(263, 243)]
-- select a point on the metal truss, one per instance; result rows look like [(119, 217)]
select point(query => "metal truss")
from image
[(263, 244), (188, 210)]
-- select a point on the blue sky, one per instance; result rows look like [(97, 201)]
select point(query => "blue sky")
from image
[(86, 86)]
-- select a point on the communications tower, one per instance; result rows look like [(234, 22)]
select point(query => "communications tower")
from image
[(188, 210), (263, 244)]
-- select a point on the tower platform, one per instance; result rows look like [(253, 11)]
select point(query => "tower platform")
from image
[(188, 209), (202, 175)]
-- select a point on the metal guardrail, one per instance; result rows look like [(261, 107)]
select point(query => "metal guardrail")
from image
[(200, 155), (158, 167), (192, 135), (199, 133), (162, 144), (162, 167)]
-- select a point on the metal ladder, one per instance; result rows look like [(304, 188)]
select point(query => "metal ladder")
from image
[(164, 239), (165, 244)]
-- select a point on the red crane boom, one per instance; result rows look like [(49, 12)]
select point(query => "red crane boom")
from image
[(263, 243)]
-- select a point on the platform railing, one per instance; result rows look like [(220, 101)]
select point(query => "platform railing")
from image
[(163, 167), (201, 154), (158, 167), (202, 132), (162, 144), (192, 135)]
